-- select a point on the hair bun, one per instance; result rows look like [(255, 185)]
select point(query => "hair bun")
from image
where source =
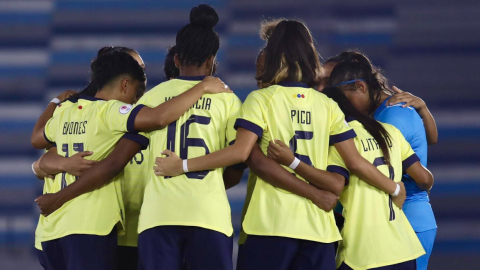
[(204, 16)]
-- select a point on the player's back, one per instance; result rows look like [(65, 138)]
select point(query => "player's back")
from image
[(93, 125), (308, 121), (195, 198), (135, 176), (376, 231), (48, 182)]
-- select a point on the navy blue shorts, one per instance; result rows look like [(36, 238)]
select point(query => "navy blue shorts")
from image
[(82, 251), (282, 253), (184, 247), (42, 258), (408, 265), (127, 258)]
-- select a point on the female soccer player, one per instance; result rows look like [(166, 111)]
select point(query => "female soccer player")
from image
[(47, 178), (399, 97), (77, 164), (187, 219), (69, 235), (376, 233), (286, 231), (369, 90)]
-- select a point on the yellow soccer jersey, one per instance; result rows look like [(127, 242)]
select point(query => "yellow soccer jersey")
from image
[(48, 182), (135, 176), (252, 180), (196, 198), (308, 121), (91, 125), (376, 231)]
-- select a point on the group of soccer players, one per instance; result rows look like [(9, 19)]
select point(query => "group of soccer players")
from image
[(143, 186)]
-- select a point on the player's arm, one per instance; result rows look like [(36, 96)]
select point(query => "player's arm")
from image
[(411, 165), (99, 175), (149, 119), (321, 179), (37, 139), (53, 163), (359, 166), (422, 176), (274, 174), (421, 107), (232, 176), (236, 153), (41, 175)]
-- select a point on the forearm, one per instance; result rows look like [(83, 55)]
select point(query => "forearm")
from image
[(232, 176), (228, 156), (274, 174), (102, 172), (93, 179), (37, 138), (421, 175), (321, 179), (39, 173), (225, 157), (149, 119), (52, 163), (371, 175), (430, 125), (359, 166)]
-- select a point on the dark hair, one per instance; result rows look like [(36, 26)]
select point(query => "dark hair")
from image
[(109, 66), (290, 56), (197, 41), (341, 57), (171, 71), (266, 30), (267, 27), (371, 125), (357, 66), (91, 89)]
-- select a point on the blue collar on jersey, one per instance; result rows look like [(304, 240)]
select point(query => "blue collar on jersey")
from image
[(294, 84), (350, 119), (191, 78), (89, 98), (348, 82)]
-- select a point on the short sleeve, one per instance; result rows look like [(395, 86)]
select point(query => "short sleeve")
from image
[(252, 115), (234, 109), (50, 130), (119, 116), (339, 129), (336, 164), (141, 138), (231, 132), (408, 155)]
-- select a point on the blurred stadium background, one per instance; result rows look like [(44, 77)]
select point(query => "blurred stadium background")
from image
[(430, 48)]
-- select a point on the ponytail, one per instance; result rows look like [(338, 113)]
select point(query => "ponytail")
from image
[(373, 127)]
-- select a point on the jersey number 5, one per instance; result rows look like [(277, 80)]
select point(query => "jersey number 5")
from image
[(381, 161), (186, 142), (301, 135)]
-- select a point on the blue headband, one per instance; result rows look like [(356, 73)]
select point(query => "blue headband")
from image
[(347, 82)]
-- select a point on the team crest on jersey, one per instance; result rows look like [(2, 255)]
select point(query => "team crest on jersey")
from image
[(125, 108)]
